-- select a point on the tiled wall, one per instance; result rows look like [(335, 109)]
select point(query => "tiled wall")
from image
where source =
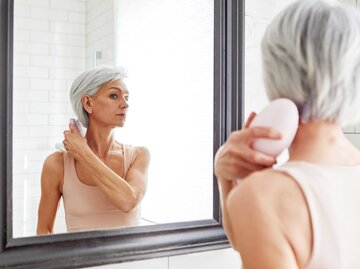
[(54, 41), (49, 51), (225, 258), (100, 32)]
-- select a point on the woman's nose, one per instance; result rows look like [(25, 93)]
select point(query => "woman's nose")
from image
[(124, 103)]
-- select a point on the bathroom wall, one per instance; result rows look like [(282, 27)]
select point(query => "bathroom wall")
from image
[(49, 51), (100, 43), (352, 132), (54, 41), (225, 258)]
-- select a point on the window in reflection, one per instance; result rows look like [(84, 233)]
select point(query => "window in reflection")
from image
[(168, 50)]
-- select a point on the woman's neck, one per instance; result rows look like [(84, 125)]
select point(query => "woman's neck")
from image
[(100, 140), (323, 142)]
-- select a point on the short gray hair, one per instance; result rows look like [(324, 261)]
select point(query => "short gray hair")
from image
[(88, 83), (311, 55)]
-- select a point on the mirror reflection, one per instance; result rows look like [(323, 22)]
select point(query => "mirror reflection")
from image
[(166, 48), (101, 180)]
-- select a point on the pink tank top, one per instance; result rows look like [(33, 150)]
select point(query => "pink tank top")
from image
[(87, 207), (332, 193)]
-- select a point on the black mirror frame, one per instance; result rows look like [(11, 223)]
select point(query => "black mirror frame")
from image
[(135, 243)]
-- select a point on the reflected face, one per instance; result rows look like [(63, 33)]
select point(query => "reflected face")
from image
[(109, 105)]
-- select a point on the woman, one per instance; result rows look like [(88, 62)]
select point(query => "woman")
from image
[(101, 180), (306, 213)]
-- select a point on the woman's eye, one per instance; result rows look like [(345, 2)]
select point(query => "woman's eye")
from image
[(113, 96), (126, 97)]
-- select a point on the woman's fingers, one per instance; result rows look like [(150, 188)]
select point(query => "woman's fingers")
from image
[(249, 119), (234, 162), (236, 159), (247, 136), (256, 157), (264, 132)]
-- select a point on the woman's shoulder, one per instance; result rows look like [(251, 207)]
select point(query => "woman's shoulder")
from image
[(138, 151), (269, 188), (274, 199), (54, 162)]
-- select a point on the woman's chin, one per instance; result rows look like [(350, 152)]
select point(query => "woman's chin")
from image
[(120, 124)]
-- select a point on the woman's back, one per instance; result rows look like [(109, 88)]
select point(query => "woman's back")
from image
[(332, 193)]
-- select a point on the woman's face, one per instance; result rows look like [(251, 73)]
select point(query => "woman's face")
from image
[(110, 104)]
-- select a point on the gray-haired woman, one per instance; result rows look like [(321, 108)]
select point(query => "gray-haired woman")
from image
[(306, 213), (100, 180)]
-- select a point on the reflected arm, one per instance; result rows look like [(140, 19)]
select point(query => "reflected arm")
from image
[(125, 194), (51, 184)]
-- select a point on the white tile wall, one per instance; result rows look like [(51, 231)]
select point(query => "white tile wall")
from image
[(161, 263), (49, 52), (100, 32), (225, 258)]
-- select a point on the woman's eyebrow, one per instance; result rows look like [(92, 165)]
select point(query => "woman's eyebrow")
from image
[(119, 89)]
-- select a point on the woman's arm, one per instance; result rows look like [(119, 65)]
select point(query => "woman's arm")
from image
[(236, 160), (51, 188), (270, 222), (125, 194)]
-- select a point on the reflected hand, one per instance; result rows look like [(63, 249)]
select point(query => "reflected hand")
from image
[(235, 159), (74, 142)]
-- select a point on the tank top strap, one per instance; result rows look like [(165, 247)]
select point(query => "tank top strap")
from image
[(67, 164), (128, 157), (69, 171)]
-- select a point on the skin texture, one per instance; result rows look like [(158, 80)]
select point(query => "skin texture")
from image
[(98, 158), (266, 216)]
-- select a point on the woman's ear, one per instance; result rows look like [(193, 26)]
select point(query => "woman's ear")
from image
[(87, 103)]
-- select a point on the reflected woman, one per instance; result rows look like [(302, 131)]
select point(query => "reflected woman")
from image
[(101, 180)]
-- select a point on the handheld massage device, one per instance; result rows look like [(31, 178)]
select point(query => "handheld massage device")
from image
[(282, 115), (77, 125), (60, 146)]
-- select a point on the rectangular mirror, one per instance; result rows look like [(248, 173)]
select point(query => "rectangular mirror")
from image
[(170, 69), (185, 66)]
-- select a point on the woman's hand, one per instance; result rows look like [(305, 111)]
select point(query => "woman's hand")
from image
[(235, 159), (74, 142)]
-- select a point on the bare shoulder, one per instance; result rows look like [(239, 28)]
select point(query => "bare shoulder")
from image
[(273, 205), (55, 162), (141, 153), (53, 169), (272, 191), (270, 188)]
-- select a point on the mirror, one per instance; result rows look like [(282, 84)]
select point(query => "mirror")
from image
[(167, 48), (74, 250)]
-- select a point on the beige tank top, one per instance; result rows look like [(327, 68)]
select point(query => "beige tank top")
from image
[(87, 207), (333, 197)]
